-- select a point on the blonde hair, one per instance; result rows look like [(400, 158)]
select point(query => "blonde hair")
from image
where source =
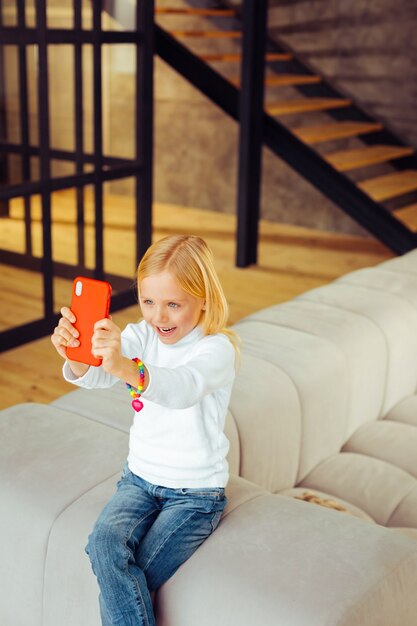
[(190, 260)]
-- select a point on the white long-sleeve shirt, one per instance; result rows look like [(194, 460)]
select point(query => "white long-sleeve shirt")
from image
[(177, 439)]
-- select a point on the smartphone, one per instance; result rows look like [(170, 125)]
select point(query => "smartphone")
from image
[(90, 302)]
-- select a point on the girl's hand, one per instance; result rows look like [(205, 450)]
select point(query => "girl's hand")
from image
[(65, 334), (106, 345)]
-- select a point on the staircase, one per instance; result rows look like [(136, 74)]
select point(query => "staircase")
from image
[(210, 58)]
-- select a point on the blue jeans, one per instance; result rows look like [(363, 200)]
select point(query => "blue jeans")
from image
[(140, 539)]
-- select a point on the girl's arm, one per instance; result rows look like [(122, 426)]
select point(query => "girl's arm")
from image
[(212, 367), (107, 343)]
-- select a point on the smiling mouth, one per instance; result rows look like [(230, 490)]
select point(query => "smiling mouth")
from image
[(166, 331)]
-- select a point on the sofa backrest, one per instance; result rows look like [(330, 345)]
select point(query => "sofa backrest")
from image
[(316, 368)]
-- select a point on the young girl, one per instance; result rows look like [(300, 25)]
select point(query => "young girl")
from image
[(180, 362)]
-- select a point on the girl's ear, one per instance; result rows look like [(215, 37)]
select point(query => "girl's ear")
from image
[(203, 308)]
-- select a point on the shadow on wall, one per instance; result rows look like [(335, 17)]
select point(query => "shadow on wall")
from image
[(366, 49)]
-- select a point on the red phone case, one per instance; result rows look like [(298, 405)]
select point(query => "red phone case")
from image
[(90, 302)]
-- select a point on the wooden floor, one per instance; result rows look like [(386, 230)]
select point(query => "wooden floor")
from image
[(291, 260)]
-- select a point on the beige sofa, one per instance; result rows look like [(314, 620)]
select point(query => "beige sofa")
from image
[(325, 403)]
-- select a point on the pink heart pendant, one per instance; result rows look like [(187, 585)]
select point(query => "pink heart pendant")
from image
[(137, 405)]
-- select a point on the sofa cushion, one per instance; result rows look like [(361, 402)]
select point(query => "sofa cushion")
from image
[(297, 354), (49, 459), (276, 560), (408, 532), (375, 486), (386, 280), (359, 340), (70, 590), (111, 406), (232, 434), (326, 500), (405, 513), (397, 320), (407, 263), (404, 411), (266, 410), (390, 441)]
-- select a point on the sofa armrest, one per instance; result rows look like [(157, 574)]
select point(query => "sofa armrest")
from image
[(276, 560)]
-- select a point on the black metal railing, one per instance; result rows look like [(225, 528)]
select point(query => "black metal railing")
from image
[(251, 106), (101, 167), (256, 126)]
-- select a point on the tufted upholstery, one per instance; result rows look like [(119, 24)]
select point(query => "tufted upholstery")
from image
[(349, 351), (324, 402)]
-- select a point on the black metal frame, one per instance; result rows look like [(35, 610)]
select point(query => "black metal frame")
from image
[(327, 89), (4, 208), (251, 130), (334, 185), (105, 168)]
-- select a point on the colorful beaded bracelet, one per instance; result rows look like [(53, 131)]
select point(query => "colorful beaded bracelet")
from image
[(135, 393)]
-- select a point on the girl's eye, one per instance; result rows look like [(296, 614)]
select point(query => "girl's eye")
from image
[(147, 302), (173, 305)]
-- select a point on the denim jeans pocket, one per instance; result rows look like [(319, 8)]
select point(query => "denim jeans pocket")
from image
[(124, 474), (215, 520)]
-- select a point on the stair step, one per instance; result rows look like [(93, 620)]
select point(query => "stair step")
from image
[(390, 185), (346, 160), (306, 104), (207, 34), (291, 79), (408, 216), (283, 80), (338, 130), (191, 11), (270, 56)]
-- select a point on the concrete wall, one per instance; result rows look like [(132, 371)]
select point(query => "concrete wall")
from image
[(366, 47)]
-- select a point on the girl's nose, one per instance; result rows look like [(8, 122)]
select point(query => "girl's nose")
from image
[(162, 315)]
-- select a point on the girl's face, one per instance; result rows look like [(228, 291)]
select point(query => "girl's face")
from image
[(171, 311)]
